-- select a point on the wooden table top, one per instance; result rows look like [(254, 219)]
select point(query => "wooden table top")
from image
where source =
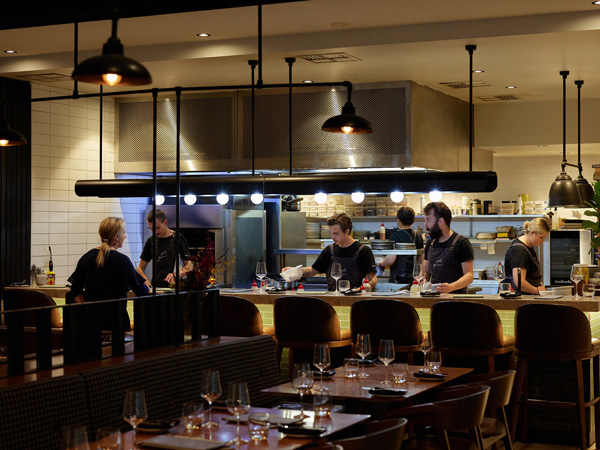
[(341, 387), (226, 430)]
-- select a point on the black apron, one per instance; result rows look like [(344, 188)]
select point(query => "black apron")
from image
[(535, 278), (442, 265), (350, 269), (401, 270)]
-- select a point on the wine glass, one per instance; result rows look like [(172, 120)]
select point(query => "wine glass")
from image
[(238, 403), (134, 410), (322, 361), (261, 272), (363, 348), (576, 277), (336, 274), (386, 356), (211, 390), (418, 273), (302, 381), (425, 346)]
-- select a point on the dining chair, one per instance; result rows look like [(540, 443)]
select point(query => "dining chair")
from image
[(385, 434), (240, 317)]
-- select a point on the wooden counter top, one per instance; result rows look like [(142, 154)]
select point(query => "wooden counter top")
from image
[(495, 301)]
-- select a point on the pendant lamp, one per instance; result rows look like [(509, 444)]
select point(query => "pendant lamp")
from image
[(585, 189), (564, 191), (348, 122), (112, 68), (9, 137)]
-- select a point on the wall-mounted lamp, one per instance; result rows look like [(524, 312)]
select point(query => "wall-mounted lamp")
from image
[(160, 199), (9, 137), (256, 198), (321, 198), (396, 196), (348, 122), (357, 197), (222, 199), (189, 199), (435, 196)]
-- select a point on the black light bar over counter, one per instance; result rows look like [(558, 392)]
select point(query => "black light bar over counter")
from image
[(344, 183)]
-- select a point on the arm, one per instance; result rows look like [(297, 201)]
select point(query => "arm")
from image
[(170, 278), (464, 281), (372, 277), (426, 273), (141, 269), (388, 261), (309, 272), (526, 286)]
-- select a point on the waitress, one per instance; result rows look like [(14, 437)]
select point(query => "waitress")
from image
[(521, 254)]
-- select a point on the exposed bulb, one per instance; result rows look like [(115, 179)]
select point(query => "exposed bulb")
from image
[(347, 130), (357, 197), (396, 196), (111, 78), (256, 199), (3, 142), (222, 199), (435, 196), (320, 198), (189, 199), (160, 199)]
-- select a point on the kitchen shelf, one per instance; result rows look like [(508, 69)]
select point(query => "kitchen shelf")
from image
[(317, 251), (417, 217)]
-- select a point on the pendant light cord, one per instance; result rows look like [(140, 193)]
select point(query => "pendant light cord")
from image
[(564, 74), (471, 49), (579, 83), (252, 64), (100, 131)]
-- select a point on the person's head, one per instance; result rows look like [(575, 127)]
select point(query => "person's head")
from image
[(340, 226), (162, 228), (112, 235), (537, 230), (406, 215), (437, 219)]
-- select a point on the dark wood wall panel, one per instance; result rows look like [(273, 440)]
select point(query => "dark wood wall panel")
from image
[(15, 185)]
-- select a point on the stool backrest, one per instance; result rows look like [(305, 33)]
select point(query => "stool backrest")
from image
[(384, 318), (381, 435), (26, 298), (466, 325), (543, 328), (305, 319), (239, 317)]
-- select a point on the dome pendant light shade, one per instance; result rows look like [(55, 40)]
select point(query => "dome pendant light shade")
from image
[(348, 122), (8, 137), (564, 192), (585, 190), (112, 68)]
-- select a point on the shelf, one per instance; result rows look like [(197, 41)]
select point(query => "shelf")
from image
[(417, 217), (317, 251)]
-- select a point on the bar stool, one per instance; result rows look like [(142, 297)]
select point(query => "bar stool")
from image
[(302, 322), (554, 333), (467, 332), (240, 317), (385, 318)]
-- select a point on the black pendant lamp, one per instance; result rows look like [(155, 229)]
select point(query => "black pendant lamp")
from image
[(348, 122), (9, 137), (585, 189), (112, 68), (564, 191)]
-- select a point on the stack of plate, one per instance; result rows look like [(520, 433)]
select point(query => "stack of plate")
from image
[(313, 230), (380, 244), (405, 246), (361, 234), (325, 234)]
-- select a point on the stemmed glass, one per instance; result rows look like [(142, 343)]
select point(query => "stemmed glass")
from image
[(302, 381), (386, 356), (418, 273), (322, 361), (425, 346), (576, 277), (499, 273), (363, 348), (211, 390), (238, 403), (134, 410), (261, 272), (336, 274)]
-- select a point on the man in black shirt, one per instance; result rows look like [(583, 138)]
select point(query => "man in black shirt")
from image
[(167, 254)]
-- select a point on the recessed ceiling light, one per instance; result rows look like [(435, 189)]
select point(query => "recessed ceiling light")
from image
[(511, 87), (596, 2), (340, 24), (10, 51), (203, 35), (478, 71), (307, 81)]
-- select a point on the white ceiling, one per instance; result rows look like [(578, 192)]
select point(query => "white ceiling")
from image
[(521, 43)]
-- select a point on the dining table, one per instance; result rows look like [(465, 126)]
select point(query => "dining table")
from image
[(226, 431)]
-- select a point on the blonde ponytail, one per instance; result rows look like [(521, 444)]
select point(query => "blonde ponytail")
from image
[(537, 225), (108, 230)]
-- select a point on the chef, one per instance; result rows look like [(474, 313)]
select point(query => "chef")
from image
[(448, 255), (356, 259)]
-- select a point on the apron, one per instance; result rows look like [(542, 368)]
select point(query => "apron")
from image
[(350, 269), (535, 278), (401, 270), (443, 266)]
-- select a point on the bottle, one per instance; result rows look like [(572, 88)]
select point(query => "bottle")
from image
[(362, 289), (366, 285), (254, 286), (414, 289), (51, 278), (300, 288), (382, 232), (423, 203)]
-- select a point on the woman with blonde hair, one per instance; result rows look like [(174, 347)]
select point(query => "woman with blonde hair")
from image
[(105, 274), (521, 254)]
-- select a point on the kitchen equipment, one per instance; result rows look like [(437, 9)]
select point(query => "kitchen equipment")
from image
[(382, 244), (560, 250), (292, 274), (486, 235), (290, 203)]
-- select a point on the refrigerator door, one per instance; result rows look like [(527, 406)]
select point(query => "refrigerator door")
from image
[(562, 249)]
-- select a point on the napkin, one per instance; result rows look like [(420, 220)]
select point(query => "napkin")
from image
[(387, 392), (182, 442)]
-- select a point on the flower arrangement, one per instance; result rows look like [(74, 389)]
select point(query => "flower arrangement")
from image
[(34, 271), (594, 212), (206, 269)]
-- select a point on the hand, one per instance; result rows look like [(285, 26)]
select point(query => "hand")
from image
[(541, 288), (444, 288), (170, 278), (285, 268)]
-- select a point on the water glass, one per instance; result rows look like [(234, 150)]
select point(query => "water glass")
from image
[(505, 288), (426, 286), (258, 426), (108, 439), (344, 285), (351, 367), (400, 372), (322, 404), (193, 416), (75, 437), (434, 360), (589, 290)]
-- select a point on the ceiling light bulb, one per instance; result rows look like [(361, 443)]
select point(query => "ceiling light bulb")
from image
[(112, 78), (511, 87), (160, 199), (222, 199), (203, 35), (320, 198), (3, 142), (347, 130), (189, 199), (256, 199), (10, 51), (435, 196), (307, 81), (357, 197), (396, 196)]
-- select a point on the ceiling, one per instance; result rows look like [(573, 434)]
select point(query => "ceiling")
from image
[(519, 43)]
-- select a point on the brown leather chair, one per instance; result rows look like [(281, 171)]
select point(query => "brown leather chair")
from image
[(302, 322), (384, 318), (381, 435), (554, 333), (241, 317), (469, 334)]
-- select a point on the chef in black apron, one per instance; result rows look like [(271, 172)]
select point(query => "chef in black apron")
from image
[(448, 255), (521, 254)]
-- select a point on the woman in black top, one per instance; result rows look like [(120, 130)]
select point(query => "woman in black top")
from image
[(521, 254)]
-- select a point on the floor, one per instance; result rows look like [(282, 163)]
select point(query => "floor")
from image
[(520, 446)]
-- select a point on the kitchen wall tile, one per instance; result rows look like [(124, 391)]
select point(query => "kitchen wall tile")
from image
[(40, 139), (58, 217), (59, 130), (59, 109), (59, 141), (40, 161), (60, 250), (62, 227), (40, 194), (39, 227), (40, 117), (56, 205), (40, 150), (40, 239), (39, 206), (55, 184), (58, 163), (59, 239), (59, 119), (77, 122), (78, 111), (39, 217)]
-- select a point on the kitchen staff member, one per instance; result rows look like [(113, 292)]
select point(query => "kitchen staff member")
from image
[(356, 259), (448, 255), (521, 254), (401, 267)]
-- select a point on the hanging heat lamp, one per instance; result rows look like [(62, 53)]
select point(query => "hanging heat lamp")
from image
[(585, 189), (348, 122), (564, 191), (9, 137), (112, 68)]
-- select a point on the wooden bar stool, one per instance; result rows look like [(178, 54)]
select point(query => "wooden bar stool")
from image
[(302, 322), (241, 317), (467, 332), (554, 333)]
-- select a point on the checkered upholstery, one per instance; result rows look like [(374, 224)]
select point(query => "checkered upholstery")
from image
[(32, 415)]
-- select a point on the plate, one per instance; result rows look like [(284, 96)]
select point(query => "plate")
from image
[(430, 376), (351, 292), (511, 295), (326, 374), (429, 294), (301, 432), (156, 426), (387, 393)]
